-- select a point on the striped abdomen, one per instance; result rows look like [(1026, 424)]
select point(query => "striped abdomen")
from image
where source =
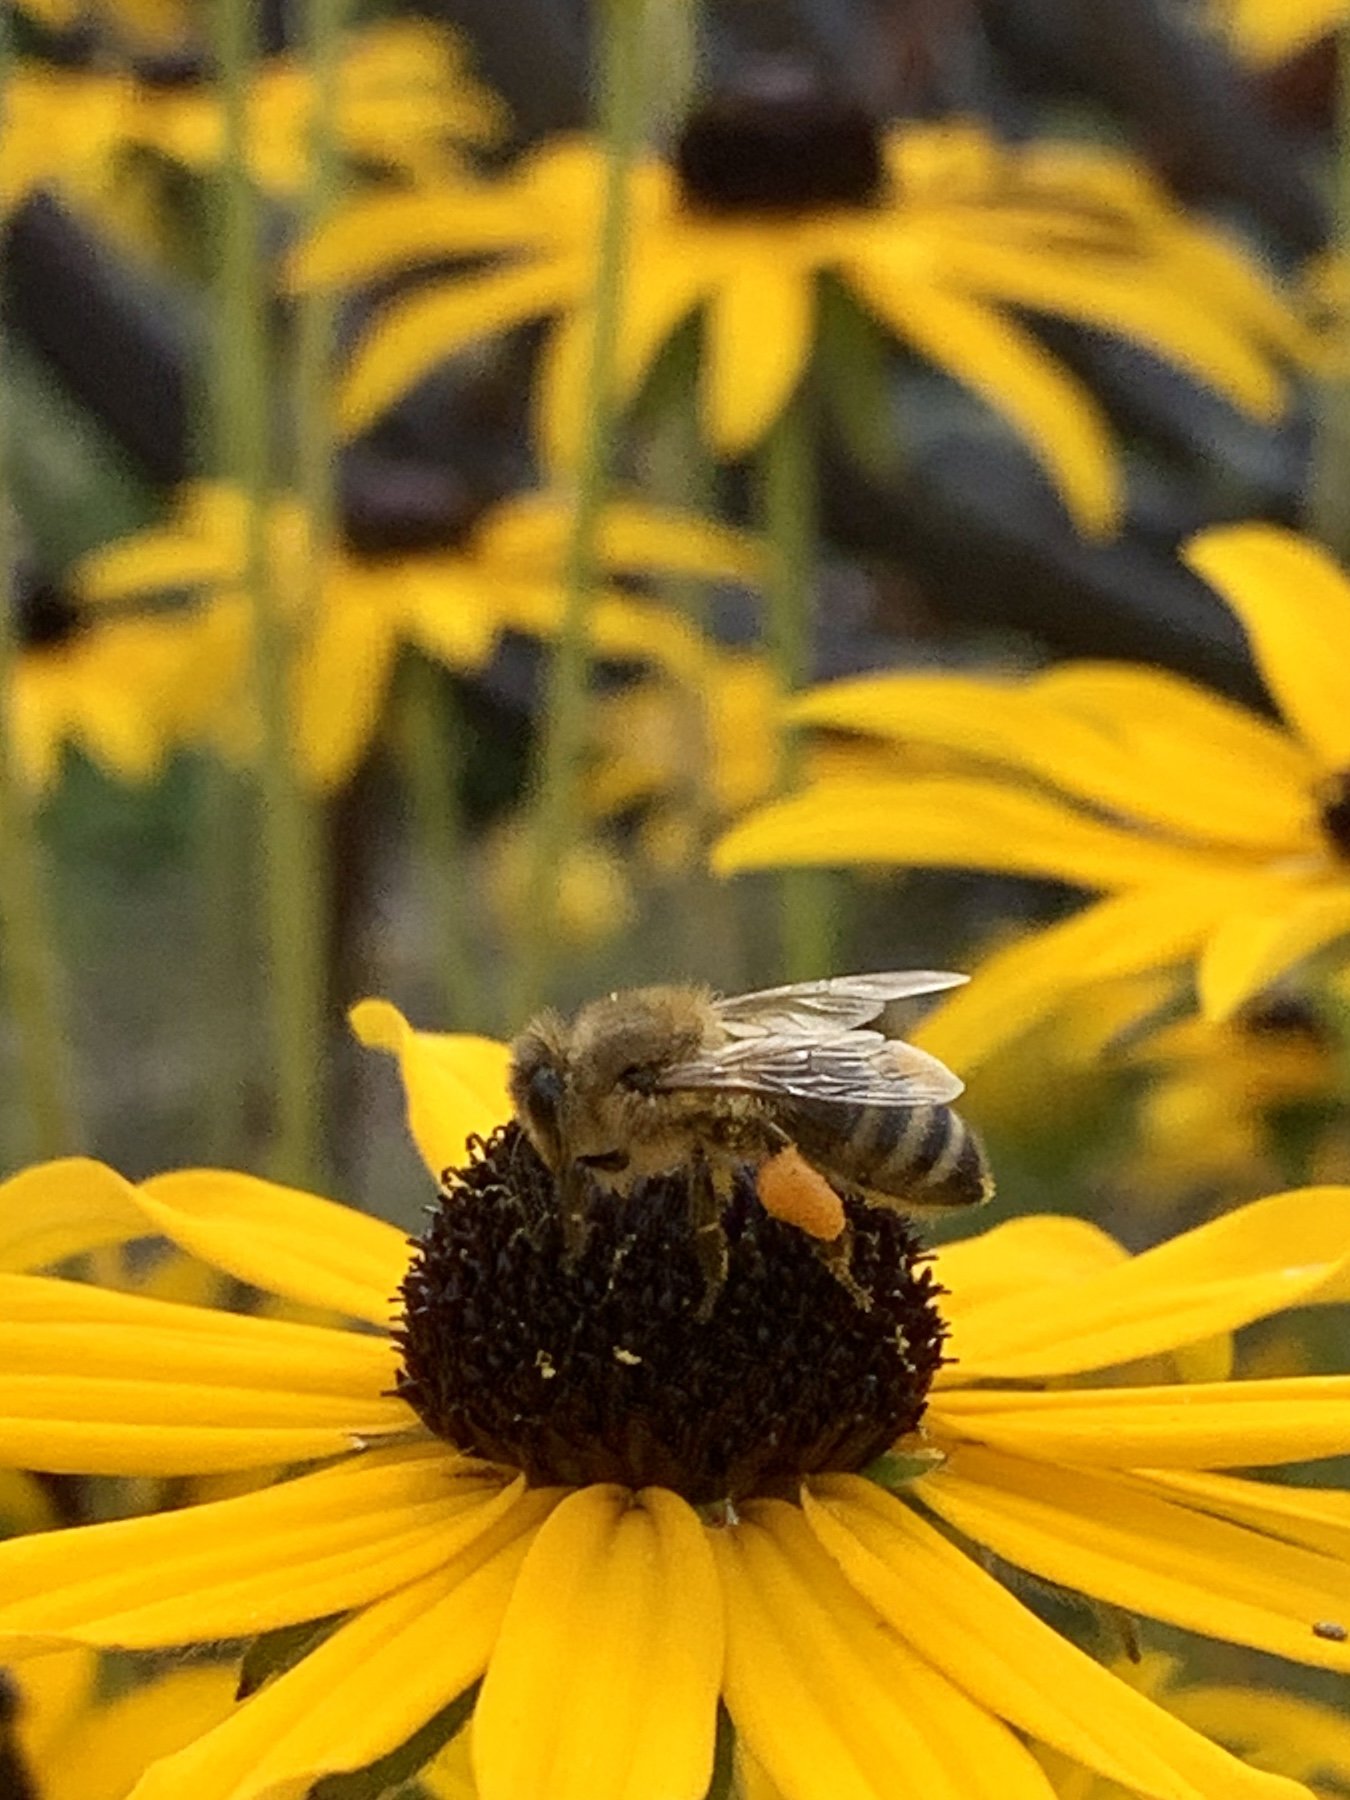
[(917, 1155)]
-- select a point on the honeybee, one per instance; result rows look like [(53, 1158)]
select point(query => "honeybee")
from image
[(789, 1081)]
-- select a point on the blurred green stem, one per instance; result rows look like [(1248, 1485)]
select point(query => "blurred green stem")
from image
[(1329, 481), (559, 761), (315, 308), (292, 888), (27, 952), (788, 516), (430, 746), (221, 816)]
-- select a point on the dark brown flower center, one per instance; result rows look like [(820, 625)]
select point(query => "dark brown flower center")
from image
[(44, 615), (777, 144), (624, 1360), (1335, 812), (396, 508)]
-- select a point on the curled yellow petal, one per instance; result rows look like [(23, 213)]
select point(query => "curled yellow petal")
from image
[(454, 1084)]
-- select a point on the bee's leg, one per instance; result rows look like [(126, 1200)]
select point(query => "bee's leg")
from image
[(837, 1255), (710, 1238), (573, 1210)]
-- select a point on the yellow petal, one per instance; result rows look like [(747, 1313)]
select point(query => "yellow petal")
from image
[(1259, 1259), (1107, 1536), (1127, 934), (946, 821), (281, 1240), (1318, 1518), (603, 1685), (109, 1383), (1230, 754), (527, 535), (828, 1700), (1165, 754), (1136, 304), (653, 307), (1184, 1425), (760, 320), (340, 678), (373, 235), (1056, 415), (1007, 1659), (1311, 1741), (369, 1686), (1294, 603), (455, 1085), (1264, 34), (59, 1209), (1251, 949), (100, 1754), (417, 333), (1040, 1250), (315, 1545)]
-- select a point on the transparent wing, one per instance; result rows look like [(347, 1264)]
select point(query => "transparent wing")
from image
[(837, 1004), (847, 1067)]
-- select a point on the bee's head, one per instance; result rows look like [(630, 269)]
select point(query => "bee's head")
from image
[(583, 1089)]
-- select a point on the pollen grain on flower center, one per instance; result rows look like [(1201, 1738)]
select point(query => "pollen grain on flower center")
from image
[(612, 1365)]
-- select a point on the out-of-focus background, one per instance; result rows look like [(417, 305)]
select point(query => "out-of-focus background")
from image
[(950, 321)]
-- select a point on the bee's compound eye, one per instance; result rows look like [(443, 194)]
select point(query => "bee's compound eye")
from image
[(544, 1096), (642, 1078)]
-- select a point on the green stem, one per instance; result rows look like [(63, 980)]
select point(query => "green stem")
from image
[(788, 514), (316, 313), (1329, 481), (292, 889), (27, 952), (221, 814), (559, 760), (428, 741)]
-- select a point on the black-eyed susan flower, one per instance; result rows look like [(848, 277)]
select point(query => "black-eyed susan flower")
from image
[(450, 594), (941, 233), (575, 1483), (1220, 839)]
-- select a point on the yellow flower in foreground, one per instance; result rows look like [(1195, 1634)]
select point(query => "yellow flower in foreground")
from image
[(942, 234), (449, 596), (610, 1503), (1221, 840)]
